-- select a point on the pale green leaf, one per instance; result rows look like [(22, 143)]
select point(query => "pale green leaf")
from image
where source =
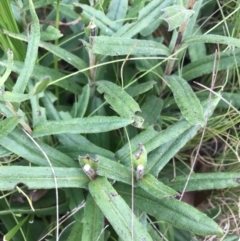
[(7, 125), (42, 177), (156, 188), (56, 50), (93, 124), (211, 38), (117, 11), (147, 15), (227, 60), (107, 26), (206, 181), (50, 33), (32, 52), (120, 101), (140, 88), (176, 15), (170, 210), (8, 70), (123, 46), (40, 72), (186, 100), (116, 211), (19, 143), (161, 156), (152, 139), (113, 170), (18, 97)]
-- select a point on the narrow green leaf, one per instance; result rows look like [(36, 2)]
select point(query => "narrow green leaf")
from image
[(42, 177), (170, 210), (186, 100), (113, 170), (19, 143), (50, 33), (140, 88), (75, 197), (18, 97), (211, 38), (117, 11), (75, 145), (152, 139), (93, 124), (161, 156), (206, 181), (122, 46), (39, 72), (117, 211), (227, 60), (32, 52), (79, 108), (120, 101), (177, 15), (8, 71), (198, 50), (146, 16), (7, 125), (151, 110), (156, 188), (76, 232), (11, 233), (107, 26), (93, 221), (56, 50)]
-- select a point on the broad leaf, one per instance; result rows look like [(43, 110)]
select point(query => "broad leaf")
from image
[(115, 46), (176, 15), (186, 100), (42, 177), (93, 124), (170, 210), (120, 101)]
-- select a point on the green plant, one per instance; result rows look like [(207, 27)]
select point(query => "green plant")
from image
[(99, 128)]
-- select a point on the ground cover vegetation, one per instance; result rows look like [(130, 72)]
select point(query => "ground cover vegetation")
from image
[(119, 120)]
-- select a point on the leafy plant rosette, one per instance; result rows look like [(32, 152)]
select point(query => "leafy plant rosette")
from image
[(103, 151)]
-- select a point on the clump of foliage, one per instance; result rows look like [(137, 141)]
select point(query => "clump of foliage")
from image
[(119, 118)]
